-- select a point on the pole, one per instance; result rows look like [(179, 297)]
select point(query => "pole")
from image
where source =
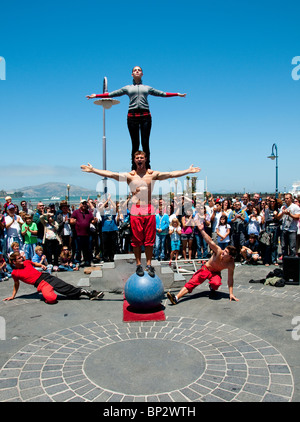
[(104, 139), (106, 103), (274, 156), (274, 147)]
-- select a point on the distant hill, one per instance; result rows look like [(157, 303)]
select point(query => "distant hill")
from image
[(54, 189)]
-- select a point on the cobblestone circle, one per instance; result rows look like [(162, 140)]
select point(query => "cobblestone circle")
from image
[(236, 365)]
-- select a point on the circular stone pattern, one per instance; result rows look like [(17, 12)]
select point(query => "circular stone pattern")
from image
[(86, 363), (133, 366)]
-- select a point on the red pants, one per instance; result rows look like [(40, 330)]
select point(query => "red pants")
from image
[(143, 230), (48, 292), (201, 275)]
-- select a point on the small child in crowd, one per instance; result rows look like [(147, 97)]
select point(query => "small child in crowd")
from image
[(174, 232), (4, 274), (65, 262), (29, 232), (41, 259), (223, 231)]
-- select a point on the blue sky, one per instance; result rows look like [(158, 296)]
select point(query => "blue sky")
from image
[(233, 59)]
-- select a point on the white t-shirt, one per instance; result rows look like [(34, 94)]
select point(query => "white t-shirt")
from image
[(254, 225), (67, 231), (15, 228), (289, 223), (175, 236), (216, 220), (222, 230)]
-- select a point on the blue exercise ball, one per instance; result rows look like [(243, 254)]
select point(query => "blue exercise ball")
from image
[(144, 292)]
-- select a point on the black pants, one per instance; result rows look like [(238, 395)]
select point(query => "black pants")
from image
[(83, 245), (58, 285), (52, 251), (109, 240), (137, 125)]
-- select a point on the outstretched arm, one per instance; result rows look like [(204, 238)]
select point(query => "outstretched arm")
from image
[(120, 177), (177, 94), (177, 173), (15, 290), (230, 283), (213, 246)]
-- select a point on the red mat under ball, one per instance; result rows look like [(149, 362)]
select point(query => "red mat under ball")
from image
[(131, 314)]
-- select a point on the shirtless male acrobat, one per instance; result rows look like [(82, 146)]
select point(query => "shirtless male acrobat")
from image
[(219, 261), (142, 213)]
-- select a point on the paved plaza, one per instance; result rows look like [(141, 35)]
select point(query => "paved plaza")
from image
[(207, 350)]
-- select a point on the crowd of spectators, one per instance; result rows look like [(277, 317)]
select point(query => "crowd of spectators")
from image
[(65, 237)]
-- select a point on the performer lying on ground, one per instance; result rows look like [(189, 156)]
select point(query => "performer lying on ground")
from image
[(220, 260), (139, 118), (142, 214), (45, 283)]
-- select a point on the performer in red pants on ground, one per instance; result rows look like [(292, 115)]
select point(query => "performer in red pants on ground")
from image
[(45, 283), (220, 260)]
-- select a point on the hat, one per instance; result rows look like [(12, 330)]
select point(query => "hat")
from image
[(7, 198), (63, 204), (83, 200), (10, 207)]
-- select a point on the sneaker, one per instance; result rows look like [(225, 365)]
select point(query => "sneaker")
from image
[(96, 295), (92, 295), (172, 298), (139, 270), (150, 270)]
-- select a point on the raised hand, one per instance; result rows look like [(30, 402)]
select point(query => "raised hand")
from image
[(87, 168), (193, 169)]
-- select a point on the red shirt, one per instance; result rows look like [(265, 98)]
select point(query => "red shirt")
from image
[(83, 221), (28, 274)]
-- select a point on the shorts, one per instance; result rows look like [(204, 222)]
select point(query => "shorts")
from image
[(187, 236), (201, 275), (175, 245), (143, 229)]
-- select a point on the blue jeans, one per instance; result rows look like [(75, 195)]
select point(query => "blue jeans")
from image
[(160, 241), (271, 254), (201, 243), (288, 243), (223, 245), (66, 267), (2, 244), (29, 250)]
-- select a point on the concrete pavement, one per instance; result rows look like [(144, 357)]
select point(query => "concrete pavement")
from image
[(205, 350)]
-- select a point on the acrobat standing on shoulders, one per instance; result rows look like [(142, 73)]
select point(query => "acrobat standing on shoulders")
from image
[(139, 119)]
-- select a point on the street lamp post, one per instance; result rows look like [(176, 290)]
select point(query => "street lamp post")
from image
[(273, 157), (176, 183), (106, 103)]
